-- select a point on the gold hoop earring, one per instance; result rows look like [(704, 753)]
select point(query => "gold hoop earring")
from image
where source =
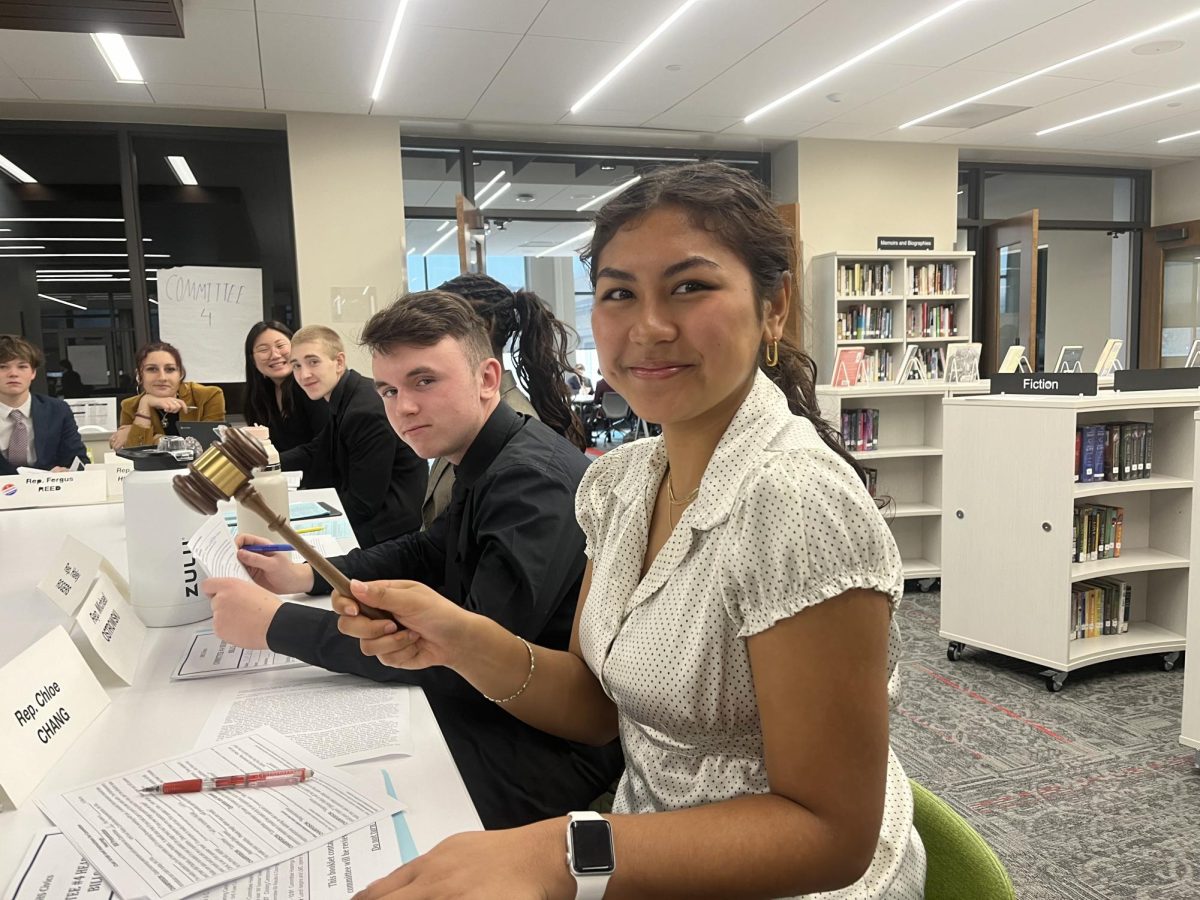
[(771, 354)]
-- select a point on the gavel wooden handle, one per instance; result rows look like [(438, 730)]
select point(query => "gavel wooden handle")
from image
[(280, 526)]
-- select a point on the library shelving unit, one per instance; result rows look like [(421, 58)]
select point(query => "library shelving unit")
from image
[(1190, 735), (908, 460), (1007, 525), (830, 299)]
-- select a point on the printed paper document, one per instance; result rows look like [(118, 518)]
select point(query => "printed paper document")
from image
[(166, 847), (207, 655), (338, 718)]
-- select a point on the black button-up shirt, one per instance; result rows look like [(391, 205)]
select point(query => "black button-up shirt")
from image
[(508, 547)]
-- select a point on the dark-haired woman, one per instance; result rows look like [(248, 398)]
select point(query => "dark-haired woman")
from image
[(540, 358), (735, 621), (273, 398), (164, 399)]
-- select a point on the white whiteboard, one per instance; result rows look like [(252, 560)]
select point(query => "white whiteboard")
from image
[(206, 311)]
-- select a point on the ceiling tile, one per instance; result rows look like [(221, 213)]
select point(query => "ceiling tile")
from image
[(549, 74), (12, 88), (370, 10), (423, 79), (311, 101), (617, 21), (681, 120), (206, 95), (306, 54), (511, 16), (88, 91), (221, 48), (53, 54)]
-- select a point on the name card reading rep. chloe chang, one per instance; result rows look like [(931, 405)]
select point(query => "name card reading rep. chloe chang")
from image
[(48, 696)]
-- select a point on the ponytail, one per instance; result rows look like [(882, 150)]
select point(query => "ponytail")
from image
[(540, 361), (796, 375)]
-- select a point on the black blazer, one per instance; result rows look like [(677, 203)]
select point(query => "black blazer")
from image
[(306, 421), (379, 479), (56, 440)]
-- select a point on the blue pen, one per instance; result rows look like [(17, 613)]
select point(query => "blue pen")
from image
[(268, 548)]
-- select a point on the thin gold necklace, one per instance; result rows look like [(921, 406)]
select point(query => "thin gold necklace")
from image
[(675, 501)]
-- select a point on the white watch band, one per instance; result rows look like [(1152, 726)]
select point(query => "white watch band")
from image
[(587, 887)]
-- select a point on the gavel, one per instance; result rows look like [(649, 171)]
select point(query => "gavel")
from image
[(223, 472)]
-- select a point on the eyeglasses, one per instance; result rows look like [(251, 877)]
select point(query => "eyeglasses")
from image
[(265, 350)]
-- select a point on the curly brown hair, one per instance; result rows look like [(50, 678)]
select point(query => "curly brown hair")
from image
[(733, 206)]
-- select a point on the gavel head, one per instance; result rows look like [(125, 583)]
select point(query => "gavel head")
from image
[(222, 472)]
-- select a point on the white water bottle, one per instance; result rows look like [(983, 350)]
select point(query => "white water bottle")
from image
[(164, 581), (270, 483)]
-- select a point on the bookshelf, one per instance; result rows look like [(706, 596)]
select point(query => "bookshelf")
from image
[(1190, 733), (888, 299), (1007, 528), (908, 459)]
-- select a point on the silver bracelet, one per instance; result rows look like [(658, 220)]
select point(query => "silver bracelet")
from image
[(528, 677)]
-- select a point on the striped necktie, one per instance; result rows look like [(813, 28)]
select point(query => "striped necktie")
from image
[(18, 442)]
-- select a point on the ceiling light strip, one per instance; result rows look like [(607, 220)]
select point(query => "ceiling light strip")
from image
[(80, 239), (569, 242), (16, 171), (72, 255), (51, 219), (1162, 26), (120, 61), (854, 60), (479, 194), (596, 201), (183, 172), (1120, 109), (495, 195), (440, 241), (63, 302), (1179, 137), (388, 50), (633, 54)]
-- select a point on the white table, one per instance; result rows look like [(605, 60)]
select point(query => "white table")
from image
[(156, 717)]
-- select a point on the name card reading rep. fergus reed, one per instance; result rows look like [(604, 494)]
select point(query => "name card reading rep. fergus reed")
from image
[(53, 489), (1049, 384), (48, 696)]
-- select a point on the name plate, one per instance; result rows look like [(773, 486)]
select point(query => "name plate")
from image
[(112, 628), (117, 468), (71, 576), (53, 489), (1047, 384), (48, 696), (1156, 379)]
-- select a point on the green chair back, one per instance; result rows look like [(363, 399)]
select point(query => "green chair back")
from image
[(960, 862)]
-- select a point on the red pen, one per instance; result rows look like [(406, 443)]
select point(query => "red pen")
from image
[(276, 778)]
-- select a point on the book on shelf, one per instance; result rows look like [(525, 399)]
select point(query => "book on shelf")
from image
[(932, 278), (934, 361), (1014, 360), (1070, 359), (864, 323), (872, 480), (912, 367), (875, 366), (1109, 357), (864, 279), (962, 363), (1100, 606), (931, 320), (860, 429), (847, 366), (1114, 451), (1098, 533)]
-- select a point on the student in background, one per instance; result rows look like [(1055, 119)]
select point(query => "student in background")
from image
[(508, 548), (36, 431), (539, 356), (379, 480), (72, 382), (164, 399), (273, 397), (736, 563)]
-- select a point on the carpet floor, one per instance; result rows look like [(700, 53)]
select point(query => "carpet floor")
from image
[(1086, 794)]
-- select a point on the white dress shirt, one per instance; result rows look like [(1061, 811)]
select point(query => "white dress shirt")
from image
[(6, 426)]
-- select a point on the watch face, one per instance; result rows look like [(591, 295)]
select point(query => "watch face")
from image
[(591, 847)]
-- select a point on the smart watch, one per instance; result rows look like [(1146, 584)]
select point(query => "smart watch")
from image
[(590, 855)]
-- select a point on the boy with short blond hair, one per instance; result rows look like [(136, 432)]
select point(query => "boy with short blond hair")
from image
[(36, 431), (379, 479)]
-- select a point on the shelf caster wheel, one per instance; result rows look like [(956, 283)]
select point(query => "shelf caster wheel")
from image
[(1169, 660), (954, 651), (1054, 681)]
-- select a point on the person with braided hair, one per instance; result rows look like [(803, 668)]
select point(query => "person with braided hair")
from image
[(539, 343)]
